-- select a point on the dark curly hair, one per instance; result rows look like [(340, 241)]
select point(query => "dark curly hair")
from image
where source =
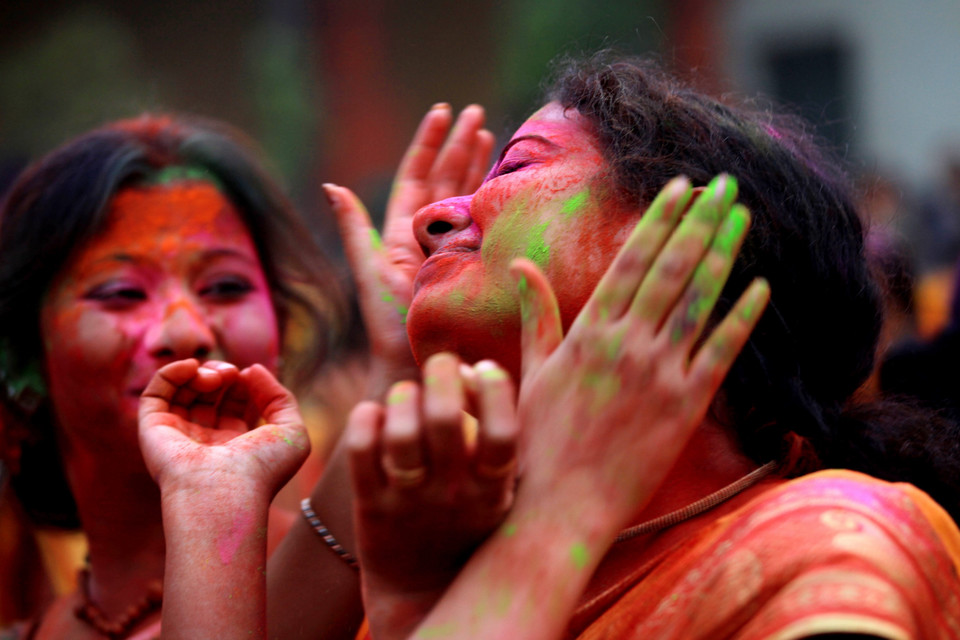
[(62, 200), (789, 396)]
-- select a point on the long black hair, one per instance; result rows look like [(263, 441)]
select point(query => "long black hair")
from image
[(790, 394)]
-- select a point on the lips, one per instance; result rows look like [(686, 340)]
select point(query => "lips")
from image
[(451, 251)]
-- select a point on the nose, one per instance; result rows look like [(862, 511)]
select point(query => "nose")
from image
[(435, 224), (182, 332)]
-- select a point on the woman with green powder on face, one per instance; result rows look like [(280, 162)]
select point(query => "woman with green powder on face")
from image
[(690, 462)]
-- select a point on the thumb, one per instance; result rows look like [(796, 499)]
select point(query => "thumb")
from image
[(541, 331)]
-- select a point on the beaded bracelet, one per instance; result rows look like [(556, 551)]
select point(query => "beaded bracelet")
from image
[(324, 533)]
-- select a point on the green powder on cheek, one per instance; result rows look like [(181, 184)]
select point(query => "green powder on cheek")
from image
[(515, 233), (575, 204), (457, 298), (537, 248)]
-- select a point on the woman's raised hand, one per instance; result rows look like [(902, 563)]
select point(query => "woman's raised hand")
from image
[(427, 492), (198, 424), (435, 166), (605, 411), (218, 471), (611, 405)]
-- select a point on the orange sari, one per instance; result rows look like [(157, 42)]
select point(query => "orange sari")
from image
[(831, 552)]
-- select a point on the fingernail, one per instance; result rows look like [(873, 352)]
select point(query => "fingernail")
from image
[(440, 105), (328, 191), (488, 370), (757, 300), (678, 184), (725, 190), (398, 394)]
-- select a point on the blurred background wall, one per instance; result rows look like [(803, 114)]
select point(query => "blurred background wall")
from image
[(333, 89)]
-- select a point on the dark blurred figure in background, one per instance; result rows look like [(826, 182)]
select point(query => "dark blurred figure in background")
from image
[(927, 369)]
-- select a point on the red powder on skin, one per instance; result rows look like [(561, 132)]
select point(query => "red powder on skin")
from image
[(159, 207)]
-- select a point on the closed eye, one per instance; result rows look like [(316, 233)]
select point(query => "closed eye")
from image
[(117, 294), (509, 167)]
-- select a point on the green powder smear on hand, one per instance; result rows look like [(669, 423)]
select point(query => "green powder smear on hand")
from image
[(375, 240), (438, 630), (579, 555)]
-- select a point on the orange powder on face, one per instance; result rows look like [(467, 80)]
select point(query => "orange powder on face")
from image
[(166, 213)]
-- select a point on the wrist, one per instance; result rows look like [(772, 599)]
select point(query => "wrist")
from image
[(572, 514), (210, 503)]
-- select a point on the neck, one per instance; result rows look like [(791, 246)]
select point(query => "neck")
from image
[(710, 462), (119, 506)]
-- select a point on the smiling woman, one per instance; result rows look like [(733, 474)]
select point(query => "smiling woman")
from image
[(680, 289), (151, 287), (540, 201), (135, 245), (679, 286)]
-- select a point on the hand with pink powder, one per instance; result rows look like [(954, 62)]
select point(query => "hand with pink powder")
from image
[(217, 472)]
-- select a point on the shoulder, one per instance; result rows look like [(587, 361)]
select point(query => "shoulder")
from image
[(832, 552), (837, 512), (838, 545)]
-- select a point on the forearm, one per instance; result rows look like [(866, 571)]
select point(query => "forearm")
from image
[(312, 592), (525, 581), (215, 583)]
